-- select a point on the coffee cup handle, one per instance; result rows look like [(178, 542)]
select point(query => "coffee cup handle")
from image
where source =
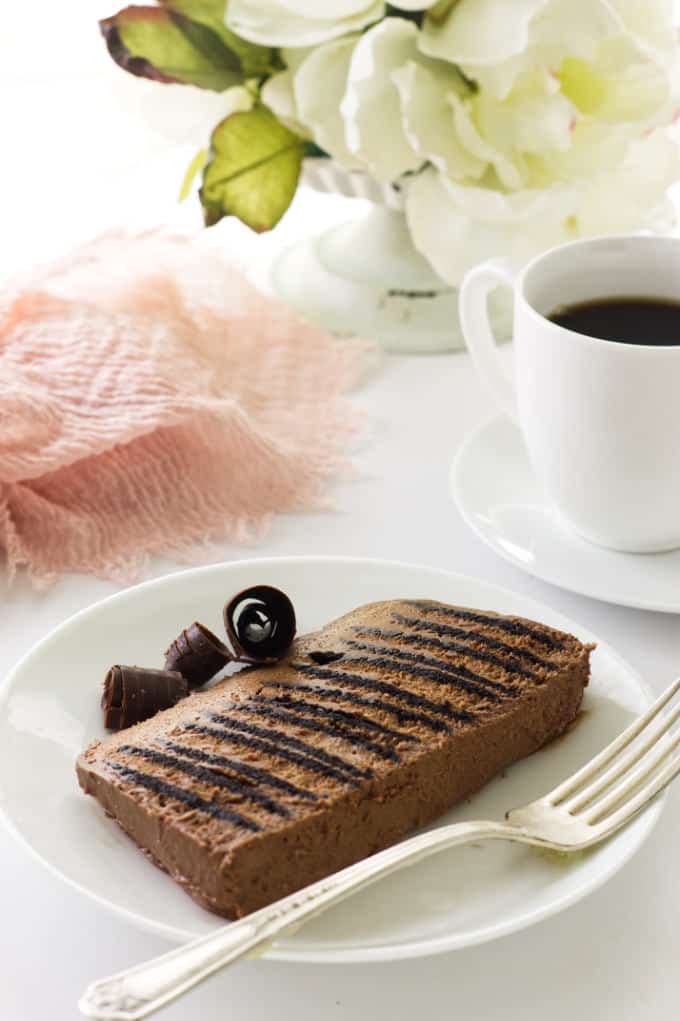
[(474, 318)]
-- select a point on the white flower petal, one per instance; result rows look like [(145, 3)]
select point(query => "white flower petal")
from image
[(576, 28), (621, 200), (617, 86), (530, 120), (429, 121), (652, 23), (542, 36), (509, 170), (274, 23), (327, 10), (371, 105), (414, 5), (456, 227), (293, 56), (319, 85), (595, 147), (513, 210), (480, 31), (277, 93)]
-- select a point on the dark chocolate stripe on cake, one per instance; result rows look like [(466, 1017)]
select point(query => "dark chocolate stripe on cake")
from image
[(291, 716), (370, 683), (244, 769), (357, 721), (443, 631), (245, 739), (208, 776), (512, 660), (265, 713), (437, 674), (169, 790), (378, 704), (456, 670), (280, 737), (509, 624)]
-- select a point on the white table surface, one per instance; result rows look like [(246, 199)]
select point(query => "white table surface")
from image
[(615, 956)]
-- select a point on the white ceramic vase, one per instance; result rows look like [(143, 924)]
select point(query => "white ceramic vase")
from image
[(366, 278)]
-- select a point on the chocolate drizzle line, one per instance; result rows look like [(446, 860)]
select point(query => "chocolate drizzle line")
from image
[(355, 720), (371, 684), (338, 695), (273, 734), (469, 634), (512, 661), (246, 739), (436, 674), (284, 714), (509, 624), (208, 776), (241, 768), (188, 798), (457, 672)]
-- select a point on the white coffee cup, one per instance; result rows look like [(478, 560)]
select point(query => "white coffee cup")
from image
[(601, 419)]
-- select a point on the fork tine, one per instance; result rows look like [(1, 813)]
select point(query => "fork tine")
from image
[(623, 764), (642, 798), (574, 782), (634, 779)]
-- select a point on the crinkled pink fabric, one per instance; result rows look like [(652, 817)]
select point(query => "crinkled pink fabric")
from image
[(151, 400)]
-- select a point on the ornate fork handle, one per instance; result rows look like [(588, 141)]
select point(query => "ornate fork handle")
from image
[(138, 992)]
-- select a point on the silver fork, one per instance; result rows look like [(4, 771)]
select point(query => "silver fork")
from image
[(585, 809)]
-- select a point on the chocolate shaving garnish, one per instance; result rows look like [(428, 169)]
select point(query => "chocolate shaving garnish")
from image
[(325, 656), (132, 694), (197, 655), (260, 624)]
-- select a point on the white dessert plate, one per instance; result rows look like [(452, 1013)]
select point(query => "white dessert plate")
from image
[(500, 498), (49, 711)]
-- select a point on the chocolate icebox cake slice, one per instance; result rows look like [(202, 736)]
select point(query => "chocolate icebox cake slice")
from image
[(369, 728)]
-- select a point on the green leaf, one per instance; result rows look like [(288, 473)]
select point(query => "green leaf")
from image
[(314, 152), (253, 170), (196, 165), (164, 45), (256, 61)]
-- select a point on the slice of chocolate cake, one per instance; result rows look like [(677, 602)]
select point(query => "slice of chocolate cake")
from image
[(368, 729)]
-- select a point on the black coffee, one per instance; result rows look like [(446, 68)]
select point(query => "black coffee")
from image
[(651, 321)]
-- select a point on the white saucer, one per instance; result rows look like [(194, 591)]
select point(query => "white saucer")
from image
[(49, 711), (500, 498)]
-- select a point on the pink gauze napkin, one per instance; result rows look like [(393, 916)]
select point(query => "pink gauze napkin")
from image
[(152, 400)]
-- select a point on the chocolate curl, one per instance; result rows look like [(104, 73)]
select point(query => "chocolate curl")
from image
[(132, 694), (197, 655), (260, 623)]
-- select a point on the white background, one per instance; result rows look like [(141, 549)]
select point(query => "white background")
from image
[(82, 149)]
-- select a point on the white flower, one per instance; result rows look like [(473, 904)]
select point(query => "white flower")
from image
[(493, 40), (319, 85), (457, 226), (300, 22), (558, 69), (510, 126), (371, 107), (428, 96)]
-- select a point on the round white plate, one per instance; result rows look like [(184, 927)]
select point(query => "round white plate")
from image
[(49, 711), (500, 498)]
